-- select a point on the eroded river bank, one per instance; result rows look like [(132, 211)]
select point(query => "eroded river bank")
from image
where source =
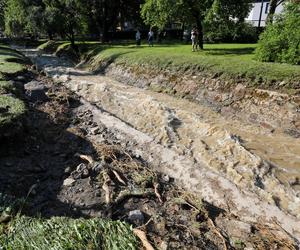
[(249, 170)]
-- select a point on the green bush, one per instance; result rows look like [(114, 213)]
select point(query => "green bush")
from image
[(228, 32), (280, 41)]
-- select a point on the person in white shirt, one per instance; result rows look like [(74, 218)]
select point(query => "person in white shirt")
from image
[(150, 37), (194, 38), (138, 38)]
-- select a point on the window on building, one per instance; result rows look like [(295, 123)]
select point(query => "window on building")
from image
[(267, 8)]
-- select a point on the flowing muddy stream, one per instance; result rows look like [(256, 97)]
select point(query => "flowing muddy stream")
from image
[(249, 170)]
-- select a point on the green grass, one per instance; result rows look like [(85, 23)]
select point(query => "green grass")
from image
[(15, 108), (11, 63), (227, 61), (60, 233)]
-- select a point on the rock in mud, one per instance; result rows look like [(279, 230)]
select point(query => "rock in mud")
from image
[(136, 217), (68, 182), (81, 172), (21, 78), (36, 91)]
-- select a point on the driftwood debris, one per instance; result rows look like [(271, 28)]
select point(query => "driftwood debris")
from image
[(142, 236)]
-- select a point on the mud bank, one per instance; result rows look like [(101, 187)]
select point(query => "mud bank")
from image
[(269, 109), (202, 149)]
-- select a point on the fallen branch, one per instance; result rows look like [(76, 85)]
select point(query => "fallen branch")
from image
[(106, 188), (139, 192), (157, 193), (87, 158), (118, 177), (218, 233), (142, 236)]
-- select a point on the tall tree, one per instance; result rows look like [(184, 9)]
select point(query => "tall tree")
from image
[(193, 12)]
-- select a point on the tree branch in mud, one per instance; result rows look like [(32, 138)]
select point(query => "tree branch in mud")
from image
[(156, 185), (87, 158), (106, 188), (142, 236), (118, 177), (138, 192)]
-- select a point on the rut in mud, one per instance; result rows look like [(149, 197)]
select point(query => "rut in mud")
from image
[(208, 154)]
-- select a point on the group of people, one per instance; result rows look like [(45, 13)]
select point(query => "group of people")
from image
[(194, 38)]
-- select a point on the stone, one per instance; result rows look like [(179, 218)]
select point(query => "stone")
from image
[(166, 178), (239, 92), (95, 131), (68, 170), (68, 182), (21, 78), (136, 217), (35, 91), (81, 171)]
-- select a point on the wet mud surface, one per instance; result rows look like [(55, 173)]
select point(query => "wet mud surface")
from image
[(74, 160)]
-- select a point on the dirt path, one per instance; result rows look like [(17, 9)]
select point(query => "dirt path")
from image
[(228, 163)]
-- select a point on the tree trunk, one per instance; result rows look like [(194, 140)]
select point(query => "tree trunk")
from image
[(273, 5), (104, 37), (201, 35)]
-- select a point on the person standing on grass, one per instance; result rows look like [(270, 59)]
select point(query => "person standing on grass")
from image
[(150, 37), (138, 38), (194, 39)]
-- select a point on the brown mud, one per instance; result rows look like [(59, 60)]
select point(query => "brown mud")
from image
[(69, 175), (115, 180)]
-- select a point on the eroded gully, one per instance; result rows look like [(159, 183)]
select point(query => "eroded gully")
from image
[(245, 169)]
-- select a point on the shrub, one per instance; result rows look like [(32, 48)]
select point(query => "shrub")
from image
[(231, 31), (280, 41)]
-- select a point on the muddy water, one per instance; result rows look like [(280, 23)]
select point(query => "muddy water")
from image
[(205, 151)]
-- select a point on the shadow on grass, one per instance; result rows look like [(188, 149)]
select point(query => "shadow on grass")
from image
[(22, 61), (6, 51), (229, 51)]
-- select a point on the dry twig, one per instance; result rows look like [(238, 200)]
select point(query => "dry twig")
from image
[(218, 232), (106, 188), (157, 193), (142, 236), (87, 158), (119, 177)]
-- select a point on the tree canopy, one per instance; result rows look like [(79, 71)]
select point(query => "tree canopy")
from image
[(193, 12)]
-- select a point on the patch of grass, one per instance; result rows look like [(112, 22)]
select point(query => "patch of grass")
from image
[(11, 108), (11, 62), (227, 61), (62, 233), (50, 46), (6, 87)]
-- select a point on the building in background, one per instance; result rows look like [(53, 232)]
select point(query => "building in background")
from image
[(259, 13)]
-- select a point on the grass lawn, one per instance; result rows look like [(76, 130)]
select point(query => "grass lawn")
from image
[(227, 61), (11, 108)]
